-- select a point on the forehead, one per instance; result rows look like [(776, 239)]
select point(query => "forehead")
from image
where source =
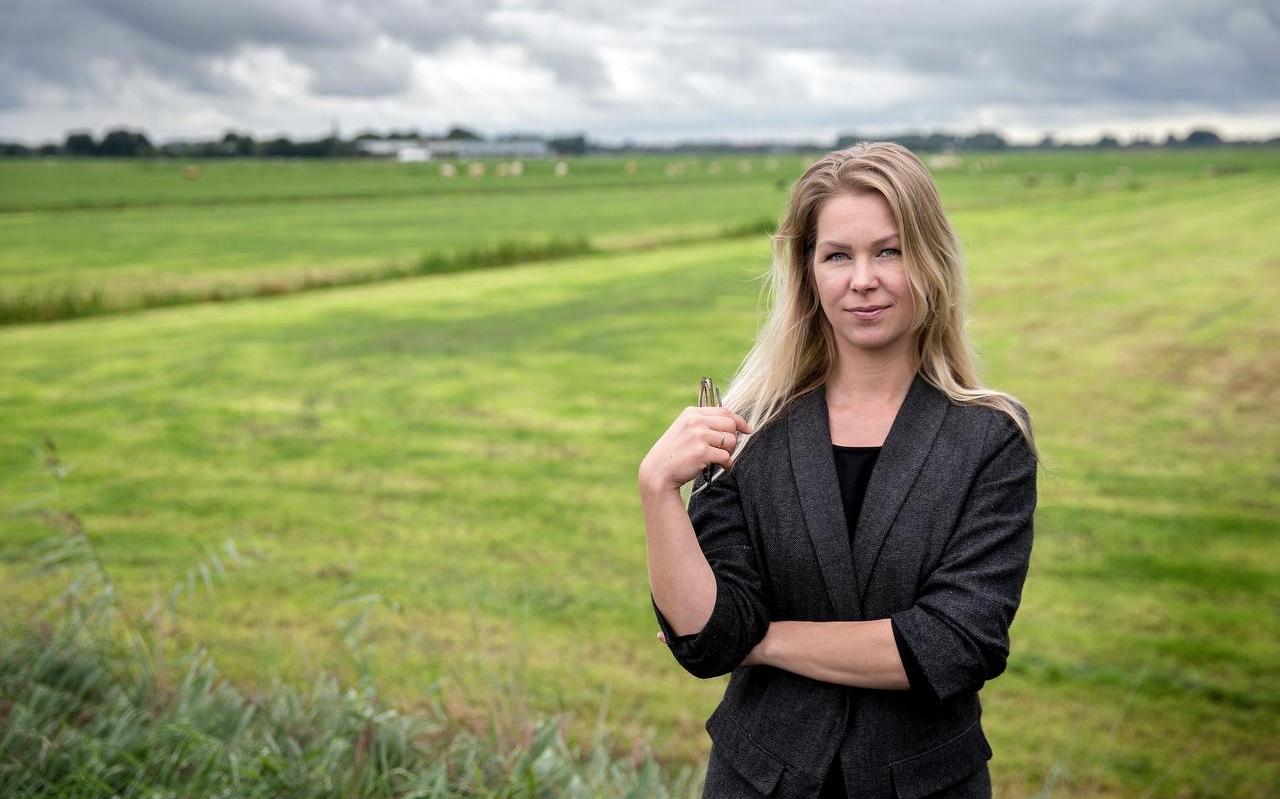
[(861, 213)]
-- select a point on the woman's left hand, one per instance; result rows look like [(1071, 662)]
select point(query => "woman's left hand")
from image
[(754, 658)]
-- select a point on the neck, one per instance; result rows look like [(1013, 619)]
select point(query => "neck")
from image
[(862, 377)]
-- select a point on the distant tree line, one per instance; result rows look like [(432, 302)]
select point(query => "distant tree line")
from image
[(942, 142), (129, 143)]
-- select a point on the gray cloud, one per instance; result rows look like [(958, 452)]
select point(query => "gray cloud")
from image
[(366, 72), (203, 27), (681, 67), (1062, 51)]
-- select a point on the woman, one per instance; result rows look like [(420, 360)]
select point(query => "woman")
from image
[(857, 560)]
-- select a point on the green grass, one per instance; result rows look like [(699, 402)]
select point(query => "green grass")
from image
[(120, 231), (465, 446), (72, 303), (77, 184), (88, 706)]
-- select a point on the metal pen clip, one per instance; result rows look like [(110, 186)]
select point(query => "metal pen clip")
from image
[(709, 397)]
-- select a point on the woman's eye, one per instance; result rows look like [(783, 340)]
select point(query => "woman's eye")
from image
[(893, 252)]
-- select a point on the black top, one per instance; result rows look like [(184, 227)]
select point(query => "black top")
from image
[(853, 467)]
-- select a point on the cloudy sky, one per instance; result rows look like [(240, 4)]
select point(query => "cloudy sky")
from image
[(658, 71)]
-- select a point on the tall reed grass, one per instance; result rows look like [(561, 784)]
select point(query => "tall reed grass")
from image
[(88, 707)]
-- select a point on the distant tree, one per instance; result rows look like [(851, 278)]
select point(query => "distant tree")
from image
[(280, 147), (80, 143), (568, 145), (329, 146), (1202, 137), (1047, 142), (463, 134), (344, 149), (124, 143), (310, 149), (235, 144), (176, 149), (845, 140), (929, 142), (1107, 141), (985, 141)]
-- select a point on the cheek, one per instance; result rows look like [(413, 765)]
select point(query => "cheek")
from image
[(902, 288), (828, 290)]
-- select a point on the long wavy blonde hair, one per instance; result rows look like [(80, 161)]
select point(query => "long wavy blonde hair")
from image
[(795, 349)]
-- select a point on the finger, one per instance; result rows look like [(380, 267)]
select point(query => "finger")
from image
[(714, 454), (741, 422), (721, 421), (726, 440), (729, 416)]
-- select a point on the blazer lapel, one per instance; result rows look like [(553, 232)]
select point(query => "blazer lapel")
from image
[(813, 467), (845, 572), (897, 467)]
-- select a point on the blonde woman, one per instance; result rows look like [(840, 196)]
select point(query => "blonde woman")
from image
[(858, 556)]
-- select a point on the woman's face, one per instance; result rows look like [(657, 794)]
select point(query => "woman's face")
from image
[(860, 274)]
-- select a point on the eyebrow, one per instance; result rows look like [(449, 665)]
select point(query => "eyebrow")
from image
[(843, 246)]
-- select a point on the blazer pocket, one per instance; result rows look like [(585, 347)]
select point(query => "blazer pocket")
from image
[(758, 766), (945, 764)]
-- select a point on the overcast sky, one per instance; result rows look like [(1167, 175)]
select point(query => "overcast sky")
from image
[(649, 71)]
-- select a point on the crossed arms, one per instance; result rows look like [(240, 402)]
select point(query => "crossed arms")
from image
[(956, 633)]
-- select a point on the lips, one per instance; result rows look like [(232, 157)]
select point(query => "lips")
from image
[(868, 311)]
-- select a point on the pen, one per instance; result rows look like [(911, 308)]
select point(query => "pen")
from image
[(708, 397)]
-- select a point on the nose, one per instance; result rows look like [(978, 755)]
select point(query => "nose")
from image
[(862, 275)]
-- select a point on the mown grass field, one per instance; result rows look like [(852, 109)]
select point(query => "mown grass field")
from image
[(464, 446), (132, 227)]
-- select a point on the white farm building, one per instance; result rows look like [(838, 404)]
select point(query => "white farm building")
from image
[(415, 150)]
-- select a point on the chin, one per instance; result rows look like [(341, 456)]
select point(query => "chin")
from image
[(872, 342)]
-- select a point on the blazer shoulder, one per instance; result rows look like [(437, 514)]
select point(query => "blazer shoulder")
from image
[(756, 448), (992, 425), (763, 444)]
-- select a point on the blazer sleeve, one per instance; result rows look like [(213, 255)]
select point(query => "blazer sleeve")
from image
[(917, 683), (958, 628), (739, 618)]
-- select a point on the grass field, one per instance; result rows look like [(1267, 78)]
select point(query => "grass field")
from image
[(127, 228), (464, 446)]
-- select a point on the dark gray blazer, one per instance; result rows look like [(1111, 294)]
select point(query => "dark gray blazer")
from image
[(942, 547)]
